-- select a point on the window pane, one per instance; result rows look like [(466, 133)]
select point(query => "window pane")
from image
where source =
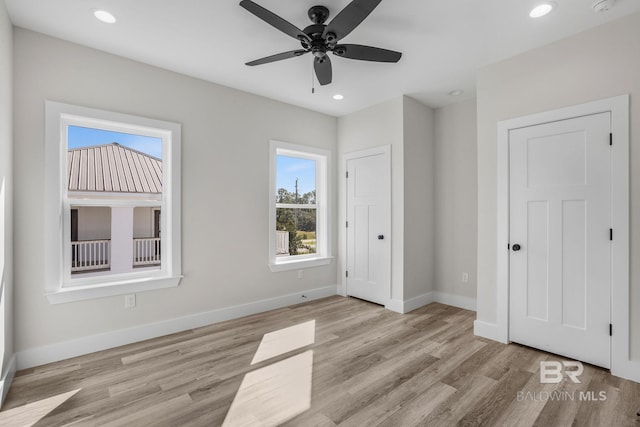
[(90, 239), (79, 137), (295, 232), (115, 165), (295, 180), (118, 167), (146, 237)]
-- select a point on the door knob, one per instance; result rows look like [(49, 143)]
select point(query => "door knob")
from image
[(516, 247), (380, 237)]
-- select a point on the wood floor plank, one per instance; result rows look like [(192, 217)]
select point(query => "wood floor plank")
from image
[(490, 406), (370, 367), (456, 406)]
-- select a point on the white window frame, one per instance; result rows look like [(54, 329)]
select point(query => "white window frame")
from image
[(60, 286), (322, 206)]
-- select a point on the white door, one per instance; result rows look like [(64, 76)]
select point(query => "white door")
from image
[(560, 259), (368, 226)]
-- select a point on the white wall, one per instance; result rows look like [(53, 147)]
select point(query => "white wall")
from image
[(142, 222), (6, 184), (599, 63), (456, 198), (375, 126), (94, 223), (419, 197), (407, 126), (225, 146)]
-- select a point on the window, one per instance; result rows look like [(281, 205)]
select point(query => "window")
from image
[(299, 200), (109, 176)]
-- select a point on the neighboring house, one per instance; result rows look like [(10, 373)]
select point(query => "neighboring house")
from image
[(114, 173)]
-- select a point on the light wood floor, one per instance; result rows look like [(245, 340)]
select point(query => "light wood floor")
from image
[(370, 367)]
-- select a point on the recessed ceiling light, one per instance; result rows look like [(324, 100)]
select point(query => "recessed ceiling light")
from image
[(338, 97), (457, 92), (541, 10), (104, 16)]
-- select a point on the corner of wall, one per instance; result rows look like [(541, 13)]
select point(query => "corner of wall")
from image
[(7, 356), (7, 379), (456, 202), (419, 197)]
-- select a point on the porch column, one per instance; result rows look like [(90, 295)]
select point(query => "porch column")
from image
[(121, 239)]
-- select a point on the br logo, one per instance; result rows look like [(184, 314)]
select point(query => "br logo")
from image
[(552, 372)]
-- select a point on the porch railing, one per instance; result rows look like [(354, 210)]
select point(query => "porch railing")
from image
[(146, 251), (282, 242), (90, 255)]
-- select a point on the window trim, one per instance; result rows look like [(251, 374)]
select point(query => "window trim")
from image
[(59, 287), (323, 206)]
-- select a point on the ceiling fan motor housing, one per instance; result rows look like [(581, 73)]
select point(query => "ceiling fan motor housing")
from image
[(318, 14)]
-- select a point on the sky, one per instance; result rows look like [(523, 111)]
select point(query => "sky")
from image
[(290, 168), (84, 137)]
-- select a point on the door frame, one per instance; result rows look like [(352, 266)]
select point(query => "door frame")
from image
[(384, 150), (621, 364)]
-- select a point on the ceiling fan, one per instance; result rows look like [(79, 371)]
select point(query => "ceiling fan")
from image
[(320, 38)]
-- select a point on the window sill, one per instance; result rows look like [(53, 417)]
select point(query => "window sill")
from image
[(299, 263), (81, 293)]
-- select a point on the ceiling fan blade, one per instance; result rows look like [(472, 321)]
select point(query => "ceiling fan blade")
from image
[(277, 57), (323, 70), (366, 53), (274, 20), (350, 17)]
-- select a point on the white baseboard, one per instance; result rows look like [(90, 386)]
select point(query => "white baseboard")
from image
[(455, 300), (628, 369), (409, 305), (417, 302), (85, 345), (489, 330), (7, 379), (395, 305)]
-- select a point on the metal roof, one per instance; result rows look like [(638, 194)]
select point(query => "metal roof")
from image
[(113, 168)]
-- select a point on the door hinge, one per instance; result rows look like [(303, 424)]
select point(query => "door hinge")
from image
[(610, 330), (346, 274), (347, 224), (508, 246), (347, 174), (610, 139), (611, 234)]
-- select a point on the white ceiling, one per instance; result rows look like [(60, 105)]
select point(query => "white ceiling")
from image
[(443, 42)]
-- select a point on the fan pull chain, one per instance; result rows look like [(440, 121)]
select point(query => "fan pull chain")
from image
[(313, 81)]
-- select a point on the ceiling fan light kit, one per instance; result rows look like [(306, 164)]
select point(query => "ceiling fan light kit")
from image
[(319, 38)]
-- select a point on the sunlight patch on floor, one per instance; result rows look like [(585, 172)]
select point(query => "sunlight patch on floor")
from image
[(285, 340), (274, 394), (29, 414)]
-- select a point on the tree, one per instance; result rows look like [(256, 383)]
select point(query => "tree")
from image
[(294, 220)]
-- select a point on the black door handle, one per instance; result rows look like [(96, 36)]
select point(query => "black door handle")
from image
[(380, 237), (516, 247)]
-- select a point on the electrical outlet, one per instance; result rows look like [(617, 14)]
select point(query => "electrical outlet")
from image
[(300, 274), (465, 277), (130, 301)]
